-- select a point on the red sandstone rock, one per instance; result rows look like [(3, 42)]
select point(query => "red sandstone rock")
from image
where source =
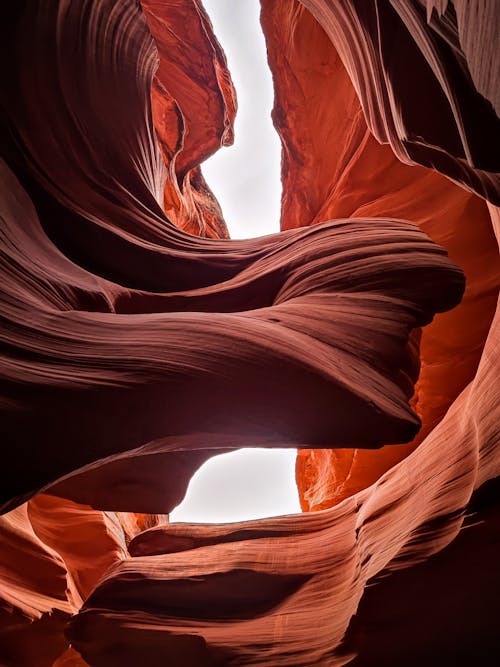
[(36, 597), (70, 658), (337, 336), (409, 69), (364, 178), (194, 104), (135, 351)]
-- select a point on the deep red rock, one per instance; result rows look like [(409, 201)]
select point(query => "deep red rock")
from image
[(194, 105), (330, 154), (133, 350)]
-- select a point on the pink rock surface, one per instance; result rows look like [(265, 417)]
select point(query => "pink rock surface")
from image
[(133, 350)]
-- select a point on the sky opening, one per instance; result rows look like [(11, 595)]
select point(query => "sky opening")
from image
[(242, 485), (248, 483), (245, 177)]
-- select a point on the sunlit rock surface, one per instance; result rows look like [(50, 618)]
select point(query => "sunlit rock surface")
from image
[(133, 351), (194, 105), (324, 179)]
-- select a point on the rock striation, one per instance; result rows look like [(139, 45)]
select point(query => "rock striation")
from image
[(361, 177), (138, 340)]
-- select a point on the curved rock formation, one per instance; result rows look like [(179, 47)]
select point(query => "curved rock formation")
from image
[(194, 105), (133, 350), (330, 307), (364, 178)]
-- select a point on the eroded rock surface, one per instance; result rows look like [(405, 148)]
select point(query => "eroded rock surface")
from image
[(133, 350), (328, 177)]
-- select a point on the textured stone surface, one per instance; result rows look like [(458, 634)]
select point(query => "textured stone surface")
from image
[(133, 351), (334, 167)]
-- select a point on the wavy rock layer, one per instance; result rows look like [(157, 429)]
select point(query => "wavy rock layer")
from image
[(194, 104), (261, 336), (134, 351), (460, 136), (324, 178), (400, 521)]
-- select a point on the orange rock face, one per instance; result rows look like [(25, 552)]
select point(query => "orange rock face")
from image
[(323, 178), (194, 105), (135, 350)]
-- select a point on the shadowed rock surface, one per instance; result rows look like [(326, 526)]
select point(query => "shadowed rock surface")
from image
[(138, 340)]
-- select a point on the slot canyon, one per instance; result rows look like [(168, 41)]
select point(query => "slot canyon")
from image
[(138, 340)]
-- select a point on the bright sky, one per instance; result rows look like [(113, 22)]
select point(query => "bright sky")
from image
[(245, 177), (248, 483), (245, 484)]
